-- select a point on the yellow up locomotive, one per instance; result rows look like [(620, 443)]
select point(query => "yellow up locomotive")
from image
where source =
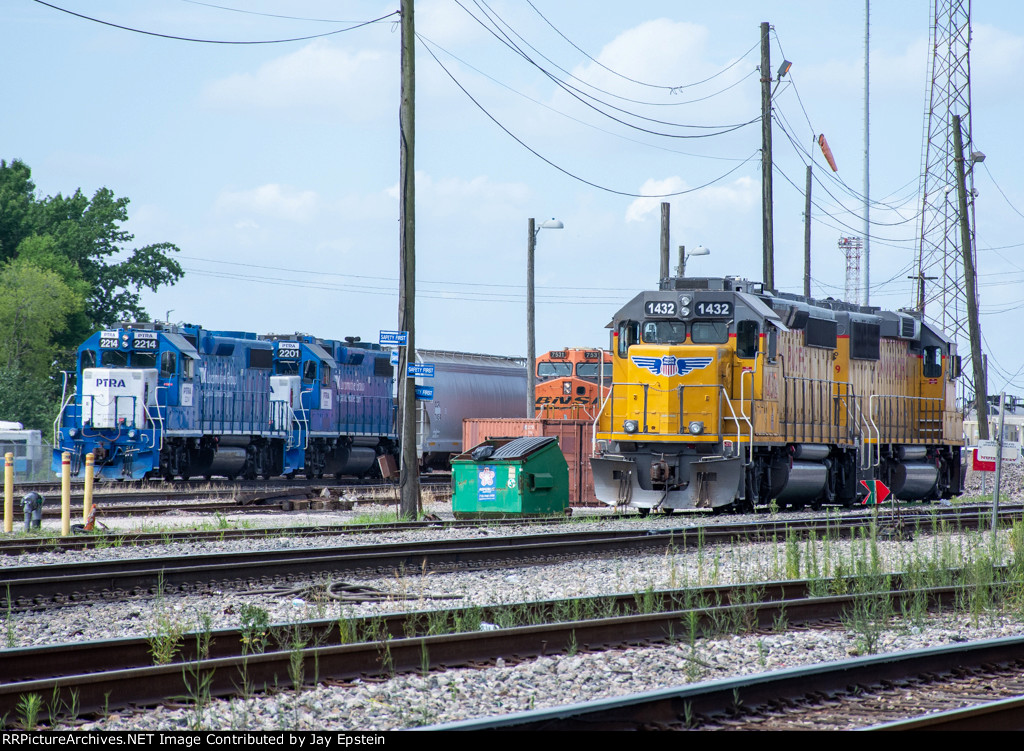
[(724, 395)]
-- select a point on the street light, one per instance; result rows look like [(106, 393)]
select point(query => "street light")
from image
[(531, 354), (700, 250)]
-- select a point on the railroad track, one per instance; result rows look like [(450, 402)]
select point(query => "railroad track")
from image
[(887, 692), (54, 584), (106, 675)]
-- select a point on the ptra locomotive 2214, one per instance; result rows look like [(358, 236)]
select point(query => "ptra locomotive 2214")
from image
[(724, 395), (159, 400)]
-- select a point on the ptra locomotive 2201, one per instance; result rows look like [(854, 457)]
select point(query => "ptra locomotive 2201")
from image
[(159, 400), (724, 395)]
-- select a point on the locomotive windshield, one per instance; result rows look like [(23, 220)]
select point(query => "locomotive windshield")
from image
[(664, 332), (674, 332), (554, 369), (709, 332)]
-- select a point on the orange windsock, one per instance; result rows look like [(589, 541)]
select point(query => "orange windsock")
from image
[(827, 152)]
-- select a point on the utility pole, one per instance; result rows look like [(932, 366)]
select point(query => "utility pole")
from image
[(970, 285), (867, 153), (531, 342), (409, 478), (665, 207), (807, 235), (768, 248)]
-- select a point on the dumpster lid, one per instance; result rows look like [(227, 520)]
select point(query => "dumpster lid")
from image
[(522, 447)]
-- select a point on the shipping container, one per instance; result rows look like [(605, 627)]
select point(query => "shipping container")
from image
[(575, 438)]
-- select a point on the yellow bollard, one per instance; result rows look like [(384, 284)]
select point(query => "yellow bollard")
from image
[(8, 492), (87, 500), (65, 494)]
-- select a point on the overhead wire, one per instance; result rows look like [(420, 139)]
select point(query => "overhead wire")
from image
[(496, 19), (563, 170), (671, 89), (214, 41), (577, 120), (589, 100)]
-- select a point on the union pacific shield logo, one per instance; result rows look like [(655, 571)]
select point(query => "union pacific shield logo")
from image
[(670, 366)]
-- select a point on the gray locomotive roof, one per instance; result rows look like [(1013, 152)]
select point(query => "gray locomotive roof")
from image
[(320, 352), (761, 309), (184, 345)]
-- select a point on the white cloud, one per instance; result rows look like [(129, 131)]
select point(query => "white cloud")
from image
[(319, 75), (271, 200), (693, 208), (479, 196)]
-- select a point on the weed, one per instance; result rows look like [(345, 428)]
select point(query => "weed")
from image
[(29, 706), (573, 648), (254, 624)]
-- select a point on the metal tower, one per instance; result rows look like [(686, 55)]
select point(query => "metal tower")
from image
[(939, 252), (851, 248)]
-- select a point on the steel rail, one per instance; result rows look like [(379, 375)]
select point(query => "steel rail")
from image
[(117, 673)]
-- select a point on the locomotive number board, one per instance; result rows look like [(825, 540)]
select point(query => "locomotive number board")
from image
[(660, 308), (713, 309)]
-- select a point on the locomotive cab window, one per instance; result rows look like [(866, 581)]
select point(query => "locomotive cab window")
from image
[(187, 368), (325, 375), (709, 332), (664, 332), (554, 369), (931, 362), (629, 334), (113, 358), (168, 364), (286, 367), (309, 371), (746, 339), (88, 359), (143, 359)]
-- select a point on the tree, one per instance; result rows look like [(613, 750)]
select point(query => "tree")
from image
[(34, 306), (83, 240), (66, 269)]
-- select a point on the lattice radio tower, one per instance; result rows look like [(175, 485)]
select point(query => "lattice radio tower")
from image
[(939, 252), (851, 248)]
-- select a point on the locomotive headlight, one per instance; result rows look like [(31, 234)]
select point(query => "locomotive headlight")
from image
[(132, 433), (684, 300), (684, 311), (73, 432), (696, 427), (630, 426)]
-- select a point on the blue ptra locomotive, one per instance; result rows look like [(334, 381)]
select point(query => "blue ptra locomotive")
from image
[(157, 400)]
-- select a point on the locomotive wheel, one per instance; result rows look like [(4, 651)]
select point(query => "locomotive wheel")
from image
[(168, 478), (290, 475), (207, 477), (643, 511)]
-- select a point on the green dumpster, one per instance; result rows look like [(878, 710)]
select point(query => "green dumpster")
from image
[(511, 477)]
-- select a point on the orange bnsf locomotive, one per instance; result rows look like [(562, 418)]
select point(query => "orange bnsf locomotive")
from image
[(569, 383), (724, 395)]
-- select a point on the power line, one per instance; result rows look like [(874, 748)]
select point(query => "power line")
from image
[(562, 169), (671, 89), (577, 120), (213, 41)]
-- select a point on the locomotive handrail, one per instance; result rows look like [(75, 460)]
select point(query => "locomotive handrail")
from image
[(750, 422), (910, 400), (57, 423), (159, 417)]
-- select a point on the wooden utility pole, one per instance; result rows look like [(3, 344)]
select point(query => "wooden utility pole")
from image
[(768, 249), (807, 235), (970, 286), (531, 341), (665, 207), (409, 479)]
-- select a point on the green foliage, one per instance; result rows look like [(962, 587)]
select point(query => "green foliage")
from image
[(67, 270), (30, 400)]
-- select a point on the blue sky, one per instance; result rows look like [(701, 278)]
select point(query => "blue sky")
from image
[(274, 168)]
